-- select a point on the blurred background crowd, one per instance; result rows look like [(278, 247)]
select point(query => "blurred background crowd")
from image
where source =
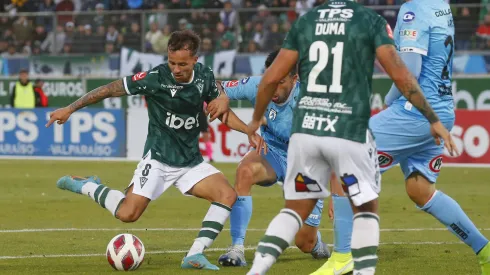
[(250, 26)]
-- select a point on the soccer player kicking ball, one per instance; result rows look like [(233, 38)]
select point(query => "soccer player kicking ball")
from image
[(336, 44), (175, 92), (267, 169)]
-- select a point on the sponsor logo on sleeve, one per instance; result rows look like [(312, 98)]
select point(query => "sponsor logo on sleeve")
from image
[(408, 17), (232, 83), (139, 76)]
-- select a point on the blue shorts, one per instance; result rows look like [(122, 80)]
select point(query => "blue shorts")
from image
[(278, 162), (404, 138)]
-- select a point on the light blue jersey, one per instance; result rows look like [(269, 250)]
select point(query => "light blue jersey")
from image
[(277, 131), (402, 133), (279, 116), (426, 27)]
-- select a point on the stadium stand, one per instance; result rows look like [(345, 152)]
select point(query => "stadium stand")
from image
[(104, 26)]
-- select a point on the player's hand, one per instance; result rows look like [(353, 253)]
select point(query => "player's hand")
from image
[(330, 209), (258, 143), (219, 106), (438, 131), (252, 128), (60, 115)]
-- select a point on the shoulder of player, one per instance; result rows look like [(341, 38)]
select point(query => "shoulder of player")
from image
[(203, 71), (248, 81), (160, 70), (411, 11)]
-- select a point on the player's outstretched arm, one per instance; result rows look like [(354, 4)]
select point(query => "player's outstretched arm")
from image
[(409, 87), (235, 123), (218, 107), (113, 89)]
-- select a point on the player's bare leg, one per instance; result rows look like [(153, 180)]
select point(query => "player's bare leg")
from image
[(340, 211), (132, 206), (309, 239), (216, 190), (251, 170), (424, 194), (255, 170)]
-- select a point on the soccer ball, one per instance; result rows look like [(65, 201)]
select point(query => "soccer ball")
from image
[(125, 252)]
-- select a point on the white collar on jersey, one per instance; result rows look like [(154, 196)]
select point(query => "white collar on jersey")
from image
[(190, 81), (291, 95)]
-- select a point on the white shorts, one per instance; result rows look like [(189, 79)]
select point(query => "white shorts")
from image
[(311, 160), (152, 178)]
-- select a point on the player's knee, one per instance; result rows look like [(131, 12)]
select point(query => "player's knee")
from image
[(227, 196), (244, 176), (128, 215), (419, 189), (371, 206)]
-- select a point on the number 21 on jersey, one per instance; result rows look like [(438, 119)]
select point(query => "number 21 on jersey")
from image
[(320, 53)]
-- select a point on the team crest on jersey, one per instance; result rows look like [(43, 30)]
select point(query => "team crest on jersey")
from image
[(305, 184), (435, 164), (139, 76), (408, 17), (200, 87), (272, 114), (232, 83), (384, 159)]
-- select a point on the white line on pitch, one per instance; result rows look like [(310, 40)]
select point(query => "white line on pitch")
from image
[(30, 230), (209, 250)]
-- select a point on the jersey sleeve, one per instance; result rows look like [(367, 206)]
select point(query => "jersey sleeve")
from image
[(413, 31), (142, 83), (244, 89), (213, 91), (383, 35), (291, 39)]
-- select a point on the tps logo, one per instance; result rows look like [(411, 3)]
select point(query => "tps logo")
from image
[(436, 164), (305, 184), (23, 125), (408, 17), (138, 76)]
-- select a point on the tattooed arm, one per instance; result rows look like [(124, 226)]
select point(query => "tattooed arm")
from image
[(113, 89), (404, 80)]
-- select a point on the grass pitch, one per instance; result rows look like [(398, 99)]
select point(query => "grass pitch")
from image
[(44, 230)]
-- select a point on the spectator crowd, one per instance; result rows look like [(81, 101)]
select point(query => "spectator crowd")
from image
[(259, 28)]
